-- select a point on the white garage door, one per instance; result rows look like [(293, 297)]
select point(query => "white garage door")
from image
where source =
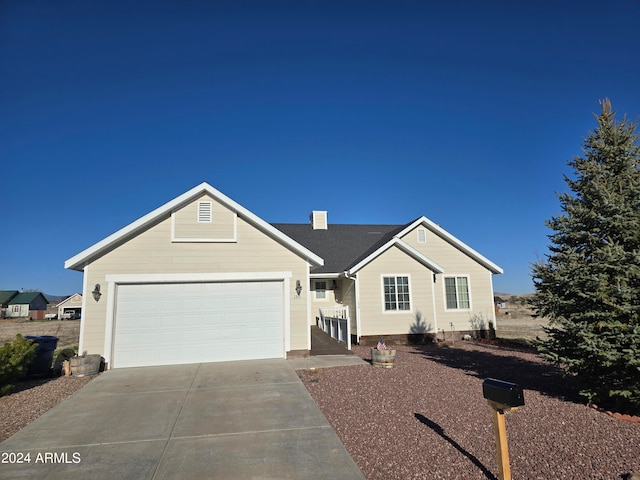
[(163, 324)]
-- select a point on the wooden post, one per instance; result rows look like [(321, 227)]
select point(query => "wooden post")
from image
[(502, 447)]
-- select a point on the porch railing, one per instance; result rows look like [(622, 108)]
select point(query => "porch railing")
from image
[(335, 321)]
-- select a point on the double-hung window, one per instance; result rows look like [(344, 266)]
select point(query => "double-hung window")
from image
[(321, 290), (396, 293), (457, 293)]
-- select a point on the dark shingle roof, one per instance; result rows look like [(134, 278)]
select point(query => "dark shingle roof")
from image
[(340, 245)]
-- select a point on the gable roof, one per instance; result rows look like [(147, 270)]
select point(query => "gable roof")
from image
[(459, 244), (79, 261), (348, 248), (6, 295), (26, 298), (69, 299), (340, 245)]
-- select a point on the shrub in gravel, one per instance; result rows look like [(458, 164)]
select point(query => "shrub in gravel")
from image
[(15, 358)]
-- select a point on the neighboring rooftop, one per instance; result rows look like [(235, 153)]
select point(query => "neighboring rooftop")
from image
[(24, 298), (6, 295)]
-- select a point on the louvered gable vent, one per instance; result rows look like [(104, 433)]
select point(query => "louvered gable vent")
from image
[(204, 212)]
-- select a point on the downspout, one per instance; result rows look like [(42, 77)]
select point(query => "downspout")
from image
[(433, 302), (357, 312)]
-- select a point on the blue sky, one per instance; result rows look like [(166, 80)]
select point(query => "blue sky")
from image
[(378, 112)]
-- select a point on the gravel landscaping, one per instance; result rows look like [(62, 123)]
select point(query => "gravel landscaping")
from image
[(32, 398), (426, 417)]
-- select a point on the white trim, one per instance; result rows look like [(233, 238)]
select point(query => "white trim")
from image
[(124, 279), (196, 277), (358, 324), (98, 249), (83, 318), (406, 248), (286, 309), (325, 275), (175, 239), (442, 233), (395, 276), (110, 324), (433, 301), (444, 290), (310, 316)]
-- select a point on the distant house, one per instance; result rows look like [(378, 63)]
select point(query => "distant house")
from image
[(71, 305), (5, 297), (499, 302), (27, 304)]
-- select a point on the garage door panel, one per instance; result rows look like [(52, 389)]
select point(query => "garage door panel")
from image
[(158, 324)]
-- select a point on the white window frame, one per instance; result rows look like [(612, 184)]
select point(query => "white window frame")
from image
[(205, 212), (323, 290), (421, 233), (444, 289), (395, 276)]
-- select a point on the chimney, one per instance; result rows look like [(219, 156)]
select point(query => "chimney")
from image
[(319, 220)]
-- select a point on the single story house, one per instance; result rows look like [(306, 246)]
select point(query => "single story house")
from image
[(27, 304), (203, 279), (72, 304), (5, 297)]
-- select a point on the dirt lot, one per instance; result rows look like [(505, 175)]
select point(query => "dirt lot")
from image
[(525, 327), (68, 331)]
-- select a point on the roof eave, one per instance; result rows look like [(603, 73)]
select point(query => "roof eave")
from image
[(441, 232), (79, 261), (406, 248)]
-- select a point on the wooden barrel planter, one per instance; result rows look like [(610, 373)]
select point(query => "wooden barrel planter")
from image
[(87, 365), (383, 358)]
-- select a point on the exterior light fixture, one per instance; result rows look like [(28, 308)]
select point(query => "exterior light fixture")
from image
[(96, 292), (298, 287)]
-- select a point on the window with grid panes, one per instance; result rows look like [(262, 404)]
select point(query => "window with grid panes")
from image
[(396, 293), (457, 292)]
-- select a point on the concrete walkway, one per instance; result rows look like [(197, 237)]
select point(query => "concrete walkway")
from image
[(231, 420)]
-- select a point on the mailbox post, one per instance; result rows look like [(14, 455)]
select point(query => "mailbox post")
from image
[(502, 397)]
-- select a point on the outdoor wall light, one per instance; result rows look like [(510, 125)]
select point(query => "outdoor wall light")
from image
[(96, 292), (298, 287), (335, 285)]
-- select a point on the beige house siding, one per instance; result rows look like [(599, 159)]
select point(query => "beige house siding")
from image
[(153, 252), (332, 297), (457, 263), (221, 228), (374, 320)]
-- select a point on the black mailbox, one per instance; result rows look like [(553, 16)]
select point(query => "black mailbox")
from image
[(505, 393)]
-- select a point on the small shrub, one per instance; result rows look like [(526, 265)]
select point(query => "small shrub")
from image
[(15, 358), (492, 331)]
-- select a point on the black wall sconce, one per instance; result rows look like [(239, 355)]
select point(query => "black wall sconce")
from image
[(96, 292), (298, 287), (335, 285)]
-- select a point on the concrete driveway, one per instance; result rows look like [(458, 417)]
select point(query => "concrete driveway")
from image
[(231, 420)]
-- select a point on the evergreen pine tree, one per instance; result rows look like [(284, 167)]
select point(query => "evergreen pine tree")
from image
[(589, 284)]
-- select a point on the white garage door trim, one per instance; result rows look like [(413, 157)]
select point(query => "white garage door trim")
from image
[(114, 280)]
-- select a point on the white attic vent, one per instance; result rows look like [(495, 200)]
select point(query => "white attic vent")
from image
[(204, 212), (319, 220)]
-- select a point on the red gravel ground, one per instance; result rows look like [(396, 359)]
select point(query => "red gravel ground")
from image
[(426, 418)]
